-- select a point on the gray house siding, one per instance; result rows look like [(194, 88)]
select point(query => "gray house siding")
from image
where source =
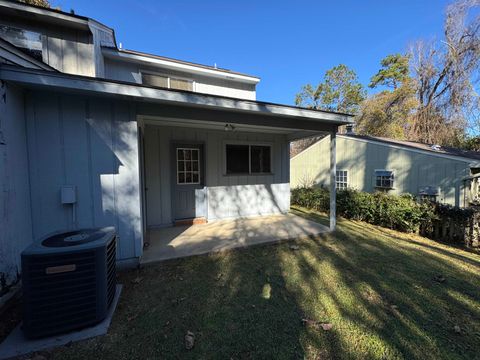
[(227, 196), (92, 144), (128, 71), (15, 216), (67, 50), (412, 169)]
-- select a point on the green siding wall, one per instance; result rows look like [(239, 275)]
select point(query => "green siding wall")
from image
[(412, 169)]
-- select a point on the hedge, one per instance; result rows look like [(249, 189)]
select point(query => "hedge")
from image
[(398, 212)]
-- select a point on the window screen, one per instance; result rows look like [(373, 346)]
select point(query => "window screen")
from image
[(248, 159), (260, 159), (342, 179), (181, 84), (155, 80), (384, 179), (188, 166), (237, 159)]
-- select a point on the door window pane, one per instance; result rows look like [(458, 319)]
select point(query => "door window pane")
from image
[(188, 166)]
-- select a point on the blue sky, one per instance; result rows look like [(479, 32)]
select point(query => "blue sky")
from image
[(287, 44)]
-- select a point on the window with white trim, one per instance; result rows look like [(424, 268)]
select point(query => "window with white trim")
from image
[(188, 166), (248, 159), (384, 179), (167, 82), (341, 179)]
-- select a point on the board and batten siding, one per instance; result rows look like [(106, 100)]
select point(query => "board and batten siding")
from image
[(15, 216), (128, 71), (412, 169), (227, 196), (67, 50), (93, 145)]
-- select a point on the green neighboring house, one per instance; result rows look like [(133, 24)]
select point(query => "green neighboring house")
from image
[(447, 175)]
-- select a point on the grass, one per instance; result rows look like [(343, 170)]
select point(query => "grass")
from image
[(382, 291)]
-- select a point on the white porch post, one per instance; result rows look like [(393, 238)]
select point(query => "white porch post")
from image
[(333, 186)]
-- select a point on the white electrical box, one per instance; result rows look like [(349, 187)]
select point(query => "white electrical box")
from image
[(69, 194)]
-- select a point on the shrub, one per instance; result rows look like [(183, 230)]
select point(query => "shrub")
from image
[(402, 213)]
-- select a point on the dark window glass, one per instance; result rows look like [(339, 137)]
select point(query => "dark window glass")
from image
[(29, 42), (237, 159), (260, 157)]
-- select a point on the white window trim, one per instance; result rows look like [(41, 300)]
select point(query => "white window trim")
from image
[(346, 177), (249, 144), (383, 187), (199, 166), (169, 76)]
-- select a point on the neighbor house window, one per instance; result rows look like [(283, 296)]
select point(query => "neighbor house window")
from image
[(248, 159), (342, 179), (429, 193), (167, 82), (29, 42), (384, 179), (188, 166)]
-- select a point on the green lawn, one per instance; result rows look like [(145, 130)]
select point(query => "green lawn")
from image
[(387, 295)]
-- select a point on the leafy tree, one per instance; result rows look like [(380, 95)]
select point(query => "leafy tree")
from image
[(340, 91), (389, 113), (43, 3), (472, 143), (394, 71)]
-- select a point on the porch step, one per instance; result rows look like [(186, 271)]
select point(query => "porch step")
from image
[(194, 221)]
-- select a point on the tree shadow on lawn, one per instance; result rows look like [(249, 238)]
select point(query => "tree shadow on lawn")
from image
[(388, 290), (378, 292)]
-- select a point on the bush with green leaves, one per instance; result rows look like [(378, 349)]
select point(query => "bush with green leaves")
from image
[(398, 212)]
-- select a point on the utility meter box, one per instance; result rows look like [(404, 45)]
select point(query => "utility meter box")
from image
[(69, 194)]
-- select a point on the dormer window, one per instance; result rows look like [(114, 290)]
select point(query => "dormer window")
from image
[(167, 82), (29, 42)]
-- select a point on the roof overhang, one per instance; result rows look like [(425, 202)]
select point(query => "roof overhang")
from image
[(53, 17), (13, 54), (472, 162), (176, 104), (172, 64)]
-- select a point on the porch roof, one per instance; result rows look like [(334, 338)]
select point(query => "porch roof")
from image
[(263, 113)]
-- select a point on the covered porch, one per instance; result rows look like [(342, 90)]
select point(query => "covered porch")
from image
[(182, 241), (131, 147)]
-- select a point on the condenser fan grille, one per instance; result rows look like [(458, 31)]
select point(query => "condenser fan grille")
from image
[(69, 287)]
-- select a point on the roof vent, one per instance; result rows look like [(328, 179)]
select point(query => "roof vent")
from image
[(436, 147)]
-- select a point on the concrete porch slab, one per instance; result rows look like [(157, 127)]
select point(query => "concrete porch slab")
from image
[(182, 241)]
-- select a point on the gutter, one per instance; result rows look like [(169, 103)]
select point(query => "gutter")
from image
[(168, 63), (168, 96)]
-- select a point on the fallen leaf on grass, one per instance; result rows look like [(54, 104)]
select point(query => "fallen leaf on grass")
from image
[(326, 326), (137, 280), (132, 317), (317, 325), (294, 247), (189, 340)]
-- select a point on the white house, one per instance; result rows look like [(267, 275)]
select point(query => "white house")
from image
[(130, 139)]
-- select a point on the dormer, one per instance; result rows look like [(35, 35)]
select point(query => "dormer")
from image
[(66, 42), (79, 45)]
